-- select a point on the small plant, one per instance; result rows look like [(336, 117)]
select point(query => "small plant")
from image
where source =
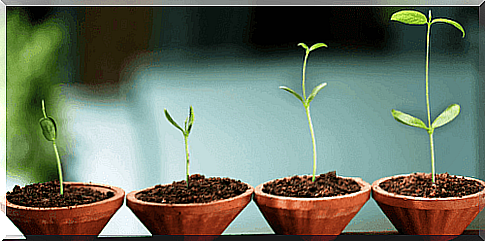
[(417, 18), (306, 101), (49, 129), (185, 132)]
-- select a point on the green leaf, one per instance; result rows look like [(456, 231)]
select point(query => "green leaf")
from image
[(49, 128), (457, 25), (408, 119), (446, 116), (191, 119), (169, 118), (304, 46), (410, 17), (315, 92), (317, 45), (293, 92)]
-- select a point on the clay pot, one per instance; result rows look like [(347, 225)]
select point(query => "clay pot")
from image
[(428, 216), (188, 219), (311, 216), (86, 219)]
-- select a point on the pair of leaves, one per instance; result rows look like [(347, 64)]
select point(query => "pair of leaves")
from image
[(317, 88), (416, 18), (187, 126), (313, 47), (310, 97), (445, 117), (48, 125)]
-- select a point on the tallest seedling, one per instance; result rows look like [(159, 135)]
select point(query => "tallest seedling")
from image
[(417, 18), (306, 101)]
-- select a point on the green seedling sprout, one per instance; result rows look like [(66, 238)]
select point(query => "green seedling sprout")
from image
[(417, 18), (49, 129), (185, 132), (306, 101)]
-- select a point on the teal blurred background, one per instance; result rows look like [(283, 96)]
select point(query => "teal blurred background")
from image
[(106, 74)]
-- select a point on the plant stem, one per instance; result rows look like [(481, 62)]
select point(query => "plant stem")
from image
[(59, 168), (430, 130), (187, 157), (304, 71), (43, 109), (432, 157), (307, 109)]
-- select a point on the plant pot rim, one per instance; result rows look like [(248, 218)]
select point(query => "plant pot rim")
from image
[(365, 187), (377, 189), (119, 194), (130, 197)]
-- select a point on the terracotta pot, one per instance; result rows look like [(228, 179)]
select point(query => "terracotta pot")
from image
[(311, 216), (188, 219), (428, 216), (86, 219)]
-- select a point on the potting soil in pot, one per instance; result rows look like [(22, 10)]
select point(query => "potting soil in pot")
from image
[(421, 185), (325, 185), (47, 194), (200, 190)]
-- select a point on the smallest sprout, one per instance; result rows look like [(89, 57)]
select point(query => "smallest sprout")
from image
[(185, 132), (49, 129)]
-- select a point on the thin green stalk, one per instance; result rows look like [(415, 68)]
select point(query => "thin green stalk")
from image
[(187, 157), (432, 157), (304, 71), (430, 130), (43, 109), (59, 167), (307, 109)]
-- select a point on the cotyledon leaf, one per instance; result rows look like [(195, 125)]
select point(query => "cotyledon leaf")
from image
[(408, 119), (446, 116), (304, 46), (49, 128), (191, 119), (293, 92), (317, 45), (169, 118), (315, 92), (457, 25), (410, 17)]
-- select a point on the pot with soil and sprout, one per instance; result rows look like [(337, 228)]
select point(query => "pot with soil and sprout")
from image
[(195, 206), (58, 207), (311, 205), (429, 203)]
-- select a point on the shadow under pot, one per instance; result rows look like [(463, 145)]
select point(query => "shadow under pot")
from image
[(429, 215), (327, 215), (82, 219), (162, 217)]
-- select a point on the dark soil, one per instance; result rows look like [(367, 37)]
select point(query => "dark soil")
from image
[(48, 194), (421, 185), (200, 190), (325, 185)]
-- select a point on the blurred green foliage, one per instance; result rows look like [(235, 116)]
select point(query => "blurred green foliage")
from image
[(32, 54)]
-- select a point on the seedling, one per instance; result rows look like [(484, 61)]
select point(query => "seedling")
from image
[(417, 18), (185, 132), (49, 129), (306, 101)]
